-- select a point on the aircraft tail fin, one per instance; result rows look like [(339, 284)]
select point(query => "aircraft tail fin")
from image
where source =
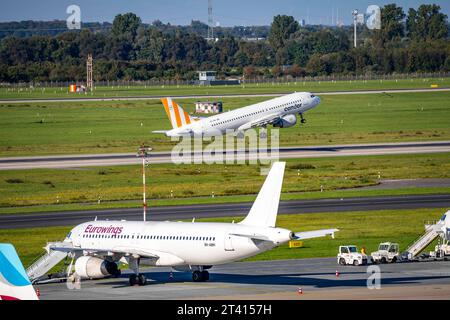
[(177, 116), (14, 282), (265, 208)]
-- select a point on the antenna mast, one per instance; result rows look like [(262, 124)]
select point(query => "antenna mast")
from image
[(210, 21)]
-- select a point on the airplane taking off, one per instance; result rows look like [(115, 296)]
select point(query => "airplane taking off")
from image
[(14, 282), (193, 246), (280, 112)]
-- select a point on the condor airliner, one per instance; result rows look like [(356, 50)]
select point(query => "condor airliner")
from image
[(280, 112), (98, 246)]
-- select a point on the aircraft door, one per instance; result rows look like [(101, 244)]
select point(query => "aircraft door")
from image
[(228, 242)]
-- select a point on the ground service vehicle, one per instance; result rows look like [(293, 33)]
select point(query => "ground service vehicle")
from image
[(349, 255), (387, 252)]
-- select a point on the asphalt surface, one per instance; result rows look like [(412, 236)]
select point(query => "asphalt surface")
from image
[(74, 161), (72, 218), (275, 94), (271, 280)]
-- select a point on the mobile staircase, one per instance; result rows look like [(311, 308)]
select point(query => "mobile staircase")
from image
[(47, 261), (433, 229)]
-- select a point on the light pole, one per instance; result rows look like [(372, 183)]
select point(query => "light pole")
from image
[(355, 19), (143, 151)]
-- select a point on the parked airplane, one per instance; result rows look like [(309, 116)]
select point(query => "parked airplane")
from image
[(193, 246), (14, 282), (280, 112)]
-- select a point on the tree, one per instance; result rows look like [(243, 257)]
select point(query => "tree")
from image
[(392, 27), (427, 23), (127, 23), (281, 30)]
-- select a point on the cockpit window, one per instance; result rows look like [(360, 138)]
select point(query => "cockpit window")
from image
[(312, 96), (69, 234)]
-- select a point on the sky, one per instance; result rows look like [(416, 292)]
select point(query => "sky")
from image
[(179, 12)]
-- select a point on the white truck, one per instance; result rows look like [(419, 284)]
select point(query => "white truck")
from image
[(387, 253), (441, 250), (350, 255)]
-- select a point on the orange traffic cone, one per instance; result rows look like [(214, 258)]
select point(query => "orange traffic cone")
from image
[(337, 273), (300, 291)]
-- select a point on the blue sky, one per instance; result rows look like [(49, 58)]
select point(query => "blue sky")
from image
[(225, 12)]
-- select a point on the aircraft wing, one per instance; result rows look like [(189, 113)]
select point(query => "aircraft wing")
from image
[(161, 257), (315, 234), (263, 121)]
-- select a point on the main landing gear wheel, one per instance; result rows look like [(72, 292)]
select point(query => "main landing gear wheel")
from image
[(136, 279), (200, 276), (302, 120)]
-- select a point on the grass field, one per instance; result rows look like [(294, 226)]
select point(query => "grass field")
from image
[(303, 178), (360, 228), (101, 127), (174, 90)]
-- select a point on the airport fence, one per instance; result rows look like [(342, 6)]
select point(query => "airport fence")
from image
[(252, 80)]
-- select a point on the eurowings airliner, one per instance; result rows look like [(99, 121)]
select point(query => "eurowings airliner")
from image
[(279, 112), (98, 246)]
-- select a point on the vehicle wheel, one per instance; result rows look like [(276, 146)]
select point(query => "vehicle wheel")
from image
[(205, 275), (383, 260), (394, 260), (355, 263), (134, 280), (196, 276), (342, 261), (142, 280)]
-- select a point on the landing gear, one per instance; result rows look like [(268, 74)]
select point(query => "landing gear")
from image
[(302, 120), (200, 276), (263, 133), (137, 279)]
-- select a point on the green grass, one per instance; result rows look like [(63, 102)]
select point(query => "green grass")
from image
[(338, 176), (116, 126), (173, 90), (367, 229)]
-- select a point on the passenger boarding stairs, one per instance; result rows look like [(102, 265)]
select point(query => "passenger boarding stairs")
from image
[(432, 231), (46, 262)]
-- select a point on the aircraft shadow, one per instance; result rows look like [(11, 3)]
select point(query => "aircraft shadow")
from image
[(288, 279)]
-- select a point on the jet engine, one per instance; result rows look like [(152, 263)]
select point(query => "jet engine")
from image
[(93, 268), (287, 121)]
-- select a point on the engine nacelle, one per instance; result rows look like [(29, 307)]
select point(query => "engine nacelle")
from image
[(287, 121), (93, 268)]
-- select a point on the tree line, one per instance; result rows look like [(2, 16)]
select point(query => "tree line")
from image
[(127, 49)]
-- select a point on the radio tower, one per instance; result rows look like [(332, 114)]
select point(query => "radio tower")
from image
[(210, 21), (90, 81)]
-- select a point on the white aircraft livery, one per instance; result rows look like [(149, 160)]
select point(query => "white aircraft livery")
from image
[(98, 246), (280, 112)]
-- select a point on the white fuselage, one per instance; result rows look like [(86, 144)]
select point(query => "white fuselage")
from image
[(177, 243), (295, 103)]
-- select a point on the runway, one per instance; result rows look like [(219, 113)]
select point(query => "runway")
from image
[(279, 279), (207, 96), (116, 159), (72, 218)]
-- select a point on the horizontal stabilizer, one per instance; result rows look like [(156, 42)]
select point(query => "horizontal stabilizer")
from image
[(252, 236), (315, 234)]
